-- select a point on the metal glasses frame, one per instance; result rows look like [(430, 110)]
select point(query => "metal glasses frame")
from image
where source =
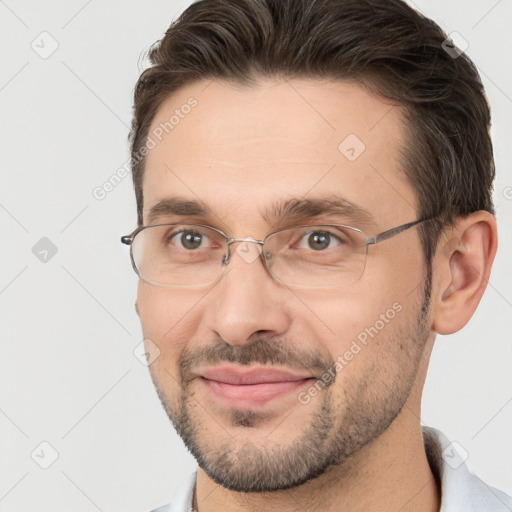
[(385, 235)]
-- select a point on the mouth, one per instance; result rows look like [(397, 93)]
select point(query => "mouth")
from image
[(250, 387)]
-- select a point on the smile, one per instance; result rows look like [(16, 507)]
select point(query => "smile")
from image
[(253, 387)]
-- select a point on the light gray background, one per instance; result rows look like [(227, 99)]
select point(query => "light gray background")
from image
[(68, 375)]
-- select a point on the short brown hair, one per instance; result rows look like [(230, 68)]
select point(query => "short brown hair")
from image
[(384, 45)]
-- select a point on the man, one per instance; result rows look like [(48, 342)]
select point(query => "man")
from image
[(313, 180)]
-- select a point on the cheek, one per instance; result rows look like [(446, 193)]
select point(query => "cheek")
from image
[(360, 324), (168, 319), (339, 316), (374, 354)]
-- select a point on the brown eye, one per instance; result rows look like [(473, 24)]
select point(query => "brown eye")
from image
[(188, 239), (319, 240)]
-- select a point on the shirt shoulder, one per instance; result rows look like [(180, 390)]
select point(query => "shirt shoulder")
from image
[(182, 502), (461, 490)]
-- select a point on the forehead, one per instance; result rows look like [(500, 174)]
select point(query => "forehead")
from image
[(239, 148)]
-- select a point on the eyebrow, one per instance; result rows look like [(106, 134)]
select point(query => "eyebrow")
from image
[(176, 206), (294, 209)]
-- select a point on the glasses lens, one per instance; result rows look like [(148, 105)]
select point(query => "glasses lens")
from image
[(181, 255), (316, 256), (191, 256)]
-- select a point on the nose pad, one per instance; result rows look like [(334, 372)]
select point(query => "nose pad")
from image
[(227, 256), (249, 250)]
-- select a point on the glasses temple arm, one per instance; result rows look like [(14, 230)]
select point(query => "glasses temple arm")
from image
[(394, 231)]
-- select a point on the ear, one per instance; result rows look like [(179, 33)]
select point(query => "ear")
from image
[(462, 266)]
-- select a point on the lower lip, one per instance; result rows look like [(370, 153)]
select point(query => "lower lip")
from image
[(252, 395)]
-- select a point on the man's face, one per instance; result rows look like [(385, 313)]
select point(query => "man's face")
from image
[(240, 152)]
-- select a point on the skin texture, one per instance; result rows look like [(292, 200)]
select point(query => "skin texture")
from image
[(357, 444)]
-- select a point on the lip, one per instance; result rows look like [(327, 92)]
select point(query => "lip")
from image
[(250, 387)]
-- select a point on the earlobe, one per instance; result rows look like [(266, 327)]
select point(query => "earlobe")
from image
[(464, 264)]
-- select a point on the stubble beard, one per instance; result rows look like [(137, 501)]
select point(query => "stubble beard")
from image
[(333, 433)]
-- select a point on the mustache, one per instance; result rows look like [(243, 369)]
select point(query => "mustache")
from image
[(262, 351)]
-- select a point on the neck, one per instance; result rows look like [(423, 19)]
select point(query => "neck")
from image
[(389, 474)]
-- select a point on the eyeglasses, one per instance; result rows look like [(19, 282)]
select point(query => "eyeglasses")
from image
[(310, 256)]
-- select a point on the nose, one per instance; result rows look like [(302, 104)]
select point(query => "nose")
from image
[(246, 302)]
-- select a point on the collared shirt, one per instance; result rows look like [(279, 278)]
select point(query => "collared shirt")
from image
[(461, 491)]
